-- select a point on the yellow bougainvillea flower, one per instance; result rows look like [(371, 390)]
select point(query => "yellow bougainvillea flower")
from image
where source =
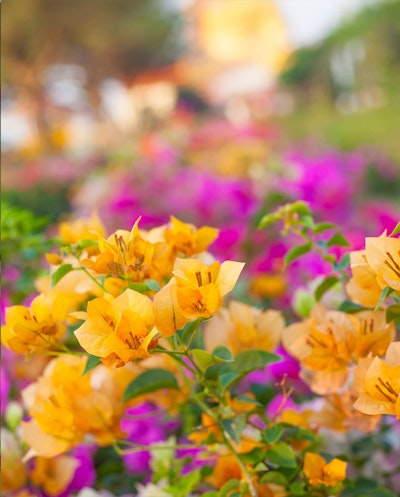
[(379, 383), (363, 287), (66, 406), (119, 330), (319, 472), (200, 287), (129, 255), (330, 341), (55, 474), (337, 413), (168, 315), (383, 255), (243, 327), (70, 292), (269, 285), (72, 232), (36, 328), (373, 269), (186, 240), (195, 291)]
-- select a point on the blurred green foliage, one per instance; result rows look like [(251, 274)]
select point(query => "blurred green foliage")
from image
[(23, 243), (346, 87)]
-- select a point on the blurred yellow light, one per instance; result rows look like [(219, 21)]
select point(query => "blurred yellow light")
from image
[(236, 31)]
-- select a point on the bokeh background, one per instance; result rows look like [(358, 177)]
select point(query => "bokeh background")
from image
[(215, 111)]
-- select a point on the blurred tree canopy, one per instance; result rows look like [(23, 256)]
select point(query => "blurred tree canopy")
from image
[(109, 38), (373, 36)]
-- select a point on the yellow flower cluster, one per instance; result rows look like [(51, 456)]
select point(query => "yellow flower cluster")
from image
[(67, 407), (342, 355), (124, 318)]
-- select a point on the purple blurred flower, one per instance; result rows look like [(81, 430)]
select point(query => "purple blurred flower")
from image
[(142, 427), (4, 389), (85, 474)]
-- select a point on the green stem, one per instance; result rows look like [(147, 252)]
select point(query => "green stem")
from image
[(92, 278), (225, 440), (134, 447)]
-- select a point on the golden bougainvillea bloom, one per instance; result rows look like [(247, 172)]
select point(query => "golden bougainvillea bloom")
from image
[(373, 269), (379, 383), (129, 255), (75, 288), (55, 474), (243, 327), (383, 255), (72, 232), (119, 330), (36, 328), (269, 285), (195, 291), (337, 413), (66, 406), (319, 472), (363, 287), (200, 287), (186, 240), (330, 341)]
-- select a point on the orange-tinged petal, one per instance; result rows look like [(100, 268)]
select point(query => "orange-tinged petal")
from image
[(383, 255), (168, 315), (319, 472), (136, 302), (53, 475), (42, 443)]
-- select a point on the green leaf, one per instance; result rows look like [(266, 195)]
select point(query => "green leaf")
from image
[(91, 363), (229, 485), (274, 477), (307, 221), (184, 486), (383, 296), (324, 286), (321, 227), (253, 456), (60, 273), (229, 373), (234, 427), (204, 359), (393, 313), (273, 434), (343, 264), (228, 379), (187, 331), (303, 302), (339, 240), (249, 360), (350, 307), (300, 207), (223, 353), (296, 252), (150, 381), (281, 455), (152, 284), (82, 244), (268, 219), (396, 230), (296, 488)]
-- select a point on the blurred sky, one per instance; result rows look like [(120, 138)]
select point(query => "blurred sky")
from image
[(308, 21)]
